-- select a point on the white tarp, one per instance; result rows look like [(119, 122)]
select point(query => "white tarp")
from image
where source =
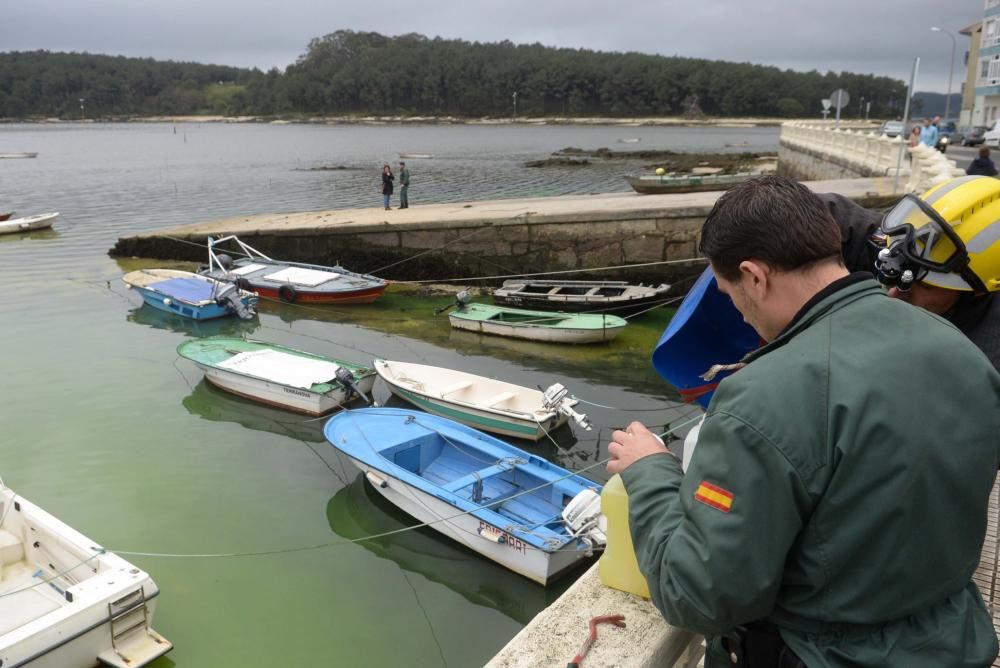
[(246, 269), (279, 367), (302, 276)]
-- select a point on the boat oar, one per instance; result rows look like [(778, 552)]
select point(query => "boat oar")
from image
[(347, 380)]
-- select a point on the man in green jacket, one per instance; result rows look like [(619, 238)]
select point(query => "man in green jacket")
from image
[(834, 511), (404, 189)]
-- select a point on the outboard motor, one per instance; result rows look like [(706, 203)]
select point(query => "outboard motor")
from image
[(224, 261), (584, 520), (231, 297), (461, 299), (347, 380), (555, 399)]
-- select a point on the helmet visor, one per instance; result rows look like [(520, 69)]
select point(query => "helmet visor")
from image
[(916, 231)]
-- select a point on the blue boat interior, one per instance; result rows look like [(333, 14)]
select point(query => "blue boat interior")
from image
[(189, 289), (470, 474)]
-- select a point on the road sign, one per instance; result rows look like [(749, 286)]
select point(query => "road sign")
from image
[(839, 98)]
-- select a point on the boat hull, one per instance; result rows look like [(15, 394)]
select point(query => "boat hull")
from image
[(512, 553), (302, 296), (549, 335), (39, 222), (163, 303), (289, 398)]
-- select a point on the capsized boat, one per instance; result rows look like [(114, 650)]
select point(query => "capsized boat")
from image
[(291, 281), (36, 222), (190, 295), (65, 602), (615, 297), (523, 512), (480, 402), (662, 185), (277, 375), (534, 325), (707, 330)]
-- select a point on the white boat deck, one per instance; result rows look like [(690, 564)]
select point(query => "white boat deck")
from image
[(29, 602)]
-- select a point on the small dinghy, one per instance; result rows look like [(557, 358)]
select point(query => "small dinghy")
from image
[(278, 376), (190, 295), (37, 222), (291, 281), (6, 216), (614, 297), (523, 512), (480, 402), (662, 185), (65, 601), (15, 156), (534, 325)]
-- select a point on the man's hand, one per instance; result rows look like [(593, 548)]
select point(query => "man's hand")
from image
[(634, 443)]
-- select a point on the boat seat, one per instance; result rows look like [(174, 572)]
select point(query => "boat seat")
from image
[(461, 385), (481, 474), (500, 398)]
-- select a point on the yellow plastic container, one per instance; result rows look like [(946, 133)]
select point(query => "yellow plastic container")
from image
[(618, 567)]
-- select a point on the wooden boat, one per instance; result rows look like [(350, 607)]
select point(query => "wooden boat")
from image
[(64, 601), (523, 512), (277, 375), (190, 295), (37, 222), (6, 216), (537, 325), (23, 154), (291, 281), (480, 402), (661, 185), (615, 297)]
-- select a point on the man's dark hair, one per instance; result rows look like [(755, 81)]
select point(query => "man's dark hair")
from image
[(772, 219)]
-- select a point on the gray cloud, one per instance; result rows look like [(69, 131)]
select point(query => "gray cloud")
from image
[(870, 36)]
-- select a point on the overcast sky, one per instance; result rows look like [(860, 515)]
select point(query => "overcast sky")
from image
[(869, 36)]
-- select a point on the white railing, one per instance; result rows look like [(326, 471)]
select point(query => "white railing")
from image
[(870, 154)]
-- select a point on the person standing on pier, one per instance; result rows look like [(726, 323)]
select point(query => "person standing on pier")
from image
[(816, 523), (404, 186), (387, 179), (929, 135)]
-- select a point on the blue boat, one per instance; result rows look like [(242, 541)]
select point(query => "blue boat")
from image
[(523, 512), (190, 295), (706, 330)]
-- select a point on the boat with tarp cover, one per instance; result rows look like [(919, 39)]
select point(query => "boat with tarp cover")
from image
[(277, 375), (290, 281), (520, 510), (190, 295), (66, 602)]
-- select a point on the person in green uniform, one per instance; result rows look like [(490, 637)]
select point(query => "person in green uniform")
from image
[(404, 188), (834, 511)]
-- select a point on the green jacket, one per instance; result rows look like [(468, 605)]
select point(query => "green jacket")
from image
[(404, 177), (851, 461)]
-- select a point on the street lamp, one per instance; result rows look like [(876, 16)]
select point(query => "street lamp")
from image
[(951, 68)]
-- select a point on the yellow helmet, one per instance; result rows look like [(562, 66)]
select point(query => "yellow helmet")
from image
[(949, 237)]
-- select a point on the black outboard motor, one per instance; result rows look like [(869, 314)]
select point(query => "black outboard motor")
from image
[(347, 380), (461, 299), (229, 296)]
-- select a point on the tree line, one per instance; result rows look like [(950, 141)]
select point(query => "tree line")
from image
[(348, 72)]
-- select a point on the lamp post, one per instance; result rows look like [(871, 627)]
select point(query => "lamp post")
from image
[(951, 68)]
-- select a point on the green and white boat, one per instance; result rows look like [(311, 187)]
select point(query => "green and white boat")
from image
[(483, 403), (686, 183), (537, 325), (278, 376)]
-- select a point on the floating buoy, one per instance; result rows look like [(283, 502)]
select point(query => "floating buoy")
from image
[(660, 171)]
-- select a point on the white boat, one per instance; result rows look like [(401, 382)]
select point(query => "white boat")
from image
[(23, 154), (480, 402), (416, 156), (535, 325), (64, 601), (38, 222), (277, 375)]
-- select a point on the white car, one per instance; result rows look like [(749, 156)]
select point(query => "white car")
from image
[(992, 136)]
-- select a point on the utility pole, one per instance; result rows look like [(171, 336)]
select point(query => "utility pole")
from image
[(951, 68)]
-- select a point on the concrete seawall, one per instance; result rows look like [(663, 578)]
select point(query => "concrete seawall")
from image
[(485, 238)]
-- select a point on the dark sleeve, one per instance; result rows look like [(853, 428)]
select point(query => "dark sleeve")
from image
[(856, 224)]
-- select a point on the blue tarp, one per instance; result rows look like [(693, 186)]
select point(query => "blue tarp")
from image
[(188, 289), (706, 330)]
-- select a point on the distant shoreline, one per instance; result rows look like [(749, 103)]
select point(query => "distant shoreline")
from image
[(436, 120)]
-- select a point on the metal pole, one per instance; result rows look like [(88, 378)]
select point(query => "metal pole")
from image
[(906, 118), (951, 70)]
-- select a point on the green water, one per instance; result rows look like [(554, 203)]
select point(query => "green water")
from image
[(107, 429)]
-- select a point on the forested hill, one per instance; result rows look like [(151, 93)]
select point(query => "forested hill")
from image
[(349, 72)]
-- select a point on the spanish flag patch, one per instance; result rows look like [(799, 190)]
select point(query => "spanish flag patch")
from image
[(714, 496)]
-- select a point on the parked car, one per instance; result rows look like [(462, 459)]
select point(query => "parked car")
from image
[(992, 136), (892, 128), (969, 135)]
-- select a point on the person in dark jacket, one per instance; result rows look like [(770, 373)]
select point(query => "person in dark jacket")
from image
[(816, 523), (982, 166), (387, 179)]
